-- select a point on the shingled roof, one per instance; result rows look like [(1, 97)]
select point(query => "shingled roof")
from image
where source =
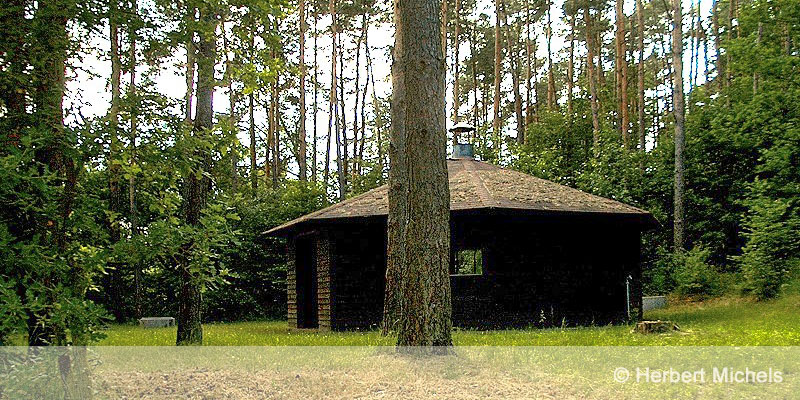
[(476, 185)]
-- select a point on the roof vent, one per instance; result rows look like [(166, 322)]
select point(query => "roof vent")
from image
[(462, 150)]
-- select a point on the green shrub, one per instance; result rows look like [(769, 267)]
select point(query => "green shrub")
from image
[(770, 254), (693, 275)]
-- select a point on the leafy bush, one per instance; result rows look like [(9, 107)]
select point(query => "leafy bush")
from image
[(770, 255), (693, 275)]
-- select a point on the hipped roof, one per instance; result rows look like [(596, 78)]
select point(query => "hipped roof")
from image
[(476, 185)]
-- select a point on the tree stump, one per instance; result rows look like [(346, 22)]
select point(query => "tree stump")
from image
[(655, 327)]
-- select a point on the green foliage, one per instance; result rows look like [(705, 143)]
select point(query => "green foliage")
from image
[(771, 253), (694, 277)]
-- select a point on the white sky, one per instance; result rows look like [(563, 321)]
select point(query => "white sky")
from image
[(90, 92)]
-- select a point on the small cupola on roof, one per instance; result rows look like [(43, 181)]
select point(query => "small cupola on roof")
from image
[(462, 150)]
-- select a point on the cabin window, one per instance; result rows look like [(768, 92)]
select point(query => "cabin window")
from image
[(468, 262)]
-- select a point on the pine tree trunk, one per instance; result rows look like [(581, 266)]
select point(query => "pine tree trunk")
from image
[(715, 29), (512, 55), (418, 282), (252, 125), (114, 171), (198, 185), (677, 61), (528, 76), (456, 65), (316, 106), (472, 51), (357, 136), (365, 22), (587, 17), (622, 75), (115, 203), (640, 74), (498, 59), (332, 102), (276, 130), (341, 128), (759, 35), (551, 82), (301, 157), (190, 66), (134, 213), (571, 67), (252, 132)]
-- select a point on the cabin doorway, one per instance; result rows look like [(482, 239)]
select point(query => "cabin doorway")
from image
[(306, 264)]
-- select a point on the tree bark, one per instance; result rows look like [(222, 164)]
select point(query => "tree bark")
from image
[(571, 67), (252, 125), (677, 61), (759, 35), (115, 203), (498, 59), (528, 76), (715, 28), (341, 128), (134, 213), (512, 55), (456, 65), (622, 75), (418, 282), (190, 66), (640, 74), (365, 22), (276, 133), (551, 82), (592, 80), (198, 184), (316, 106), (301, 157), (115, 198)]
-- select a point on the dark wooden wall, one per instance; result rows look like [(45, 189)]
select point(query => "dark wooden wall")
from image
[(537, 272)]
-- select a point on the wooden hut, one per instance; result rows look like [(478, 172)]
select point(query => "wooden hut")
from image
[(525, 251)]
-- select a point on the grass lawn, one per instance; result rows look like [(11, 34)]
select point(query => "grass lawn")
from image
[(719, 322)]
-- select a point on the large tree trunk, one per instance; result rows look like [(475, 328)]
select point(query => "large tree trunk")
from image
[(301, 157), (198, 185), (622, 75), (418, 282), (498, 59), (677, 61), (640, 75), (587, 17)]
